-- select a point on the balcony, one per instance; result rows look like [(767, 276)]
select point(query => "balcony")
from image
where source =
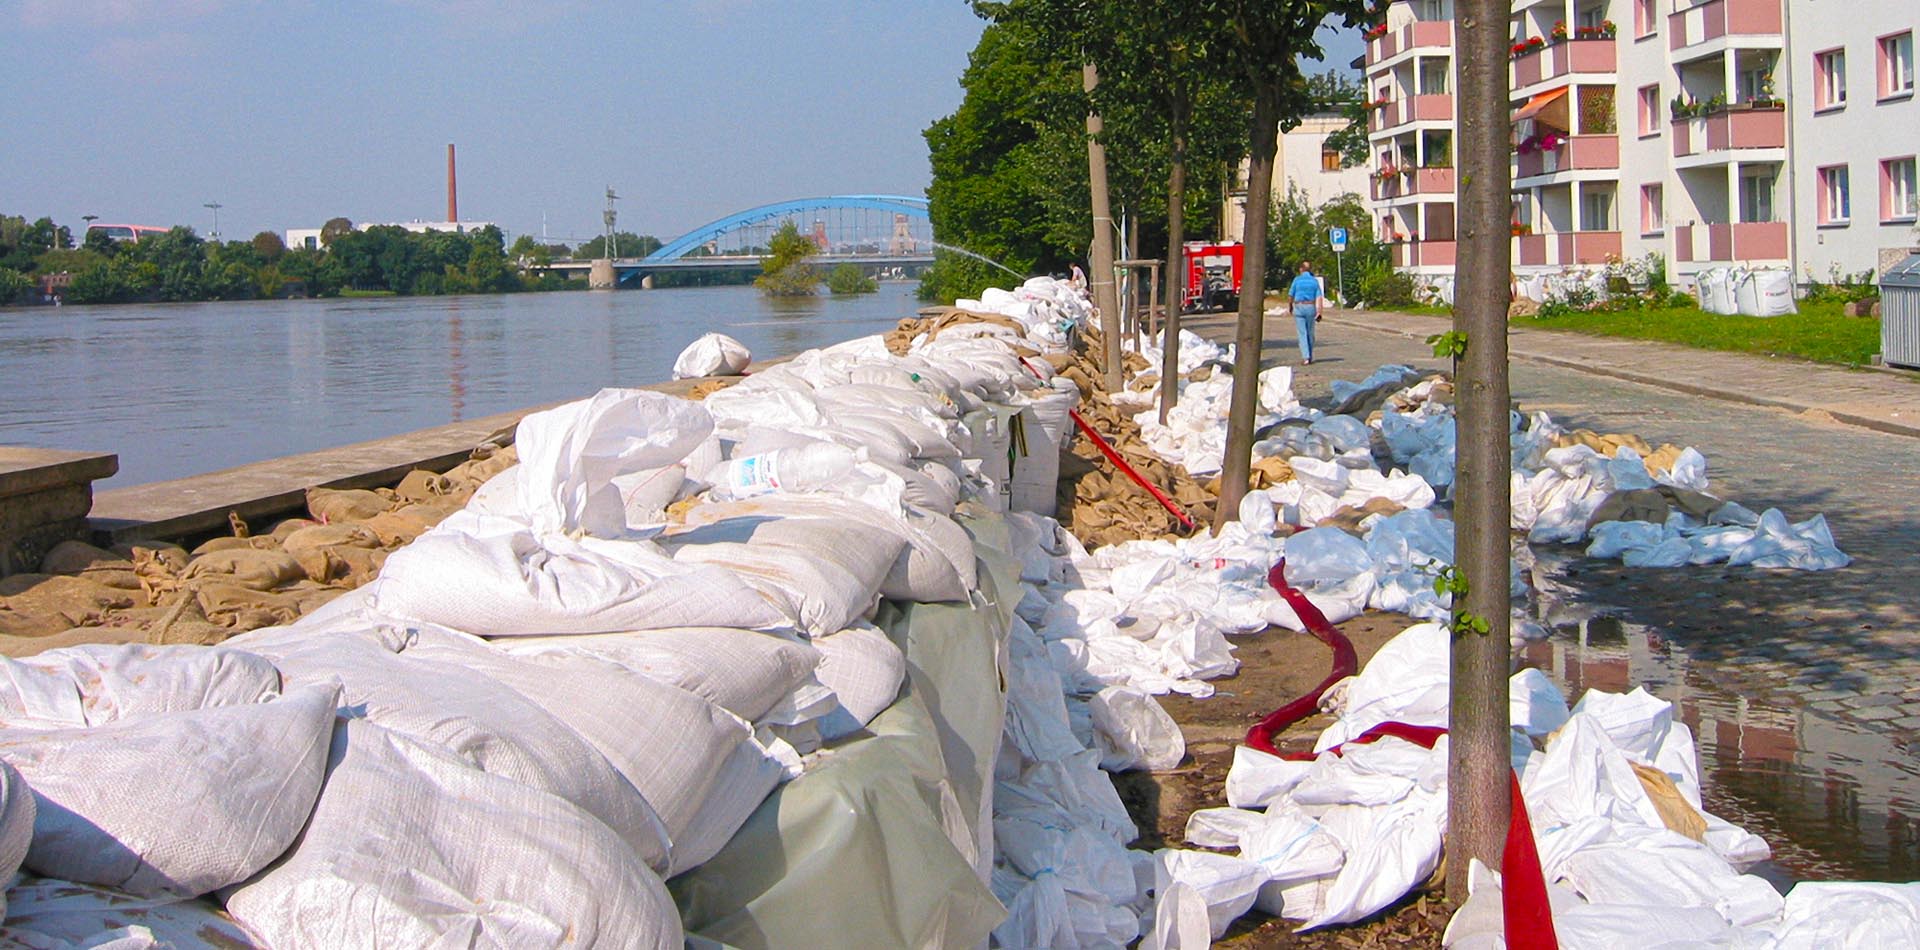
[(1576, 153), (1730, 243), (1564, 59), (1437, 108), (1566, 248), (1700, 25), (1420, 34), (1754, 128), (1424, 253), (1414, 181)]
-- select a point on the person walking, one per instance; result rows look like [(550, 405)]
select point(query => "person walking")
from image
[(1305, 293)]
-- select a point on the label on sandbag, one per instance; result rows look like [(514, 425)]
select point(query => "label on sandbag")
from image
[(753, 475)]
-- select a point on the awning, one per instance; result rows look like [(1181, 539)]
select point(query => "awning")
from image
[(1538, 104)]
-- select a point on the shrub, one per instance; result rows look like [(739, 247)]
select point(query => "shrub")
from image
[(847, 279), (1384, 288)]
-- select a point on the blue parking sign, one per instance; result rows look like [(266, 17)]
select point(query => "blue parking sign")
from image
[(1337, 237)]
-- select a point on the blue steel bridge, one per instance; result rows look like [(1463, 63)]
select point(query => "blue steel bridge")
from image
[(877, 232)]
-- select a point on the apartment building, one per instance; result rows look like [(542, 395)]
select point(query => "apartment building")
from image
[(1304, 160), (1709, 133)]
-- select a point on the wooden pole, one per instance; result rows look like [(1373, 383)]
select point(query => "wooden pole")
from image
[(1477, 775), (1176, 274), (1101, 279)]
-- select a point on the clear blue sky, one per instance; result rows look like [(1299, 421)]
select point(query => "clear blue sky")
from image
[(289, 112)]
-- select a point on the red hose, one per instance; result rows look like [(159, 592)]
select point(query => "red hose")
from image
[(1526, 915), (1345, 663), (1107, 449)]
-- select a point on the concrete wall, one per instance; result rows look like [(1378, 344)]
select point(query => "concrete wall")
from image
[(44, 499)]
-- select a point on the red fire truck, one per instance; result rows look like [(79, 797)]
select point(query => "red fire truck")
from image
[(1213, 276)]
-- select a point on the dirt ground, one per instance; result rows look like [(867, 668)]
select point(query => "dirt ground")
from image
[(1276, 666)]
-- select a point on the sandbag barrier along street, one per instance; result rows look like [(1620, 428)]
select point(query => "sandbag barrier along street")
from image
[(828, 614)]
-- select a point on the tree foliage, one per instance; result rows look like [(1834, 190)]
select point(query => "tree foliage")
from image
[(1333, 91), (626, 242), (846, 279), (785, 272), (333, 230)]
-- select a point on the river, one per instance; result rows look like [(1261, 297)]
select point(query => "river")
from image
[(182, 389)]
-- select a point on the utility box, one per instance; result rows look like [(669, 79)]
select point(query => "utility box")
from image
[(1213, 276), (1900, 314)]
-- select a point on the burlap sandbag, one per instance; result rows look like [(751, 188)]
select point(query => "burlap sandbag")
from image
[(395, 528), (80, 559), (34, 605), (246, 567), (240, 608), (1676, 812), (1640, 504), (329, 505), (159, 570)]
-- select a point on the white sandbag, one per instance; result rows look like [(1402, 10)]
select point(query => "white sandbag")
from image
[(95, 684), (484, 723), (743, 672), (668, 742), (1258, 779), (1134, 731), (1389, 849), (1301, 858), (645, 495), (174, 804), (749, 774), (1821, 915), (16, 824), (824, 573), (1046, 428), (937, 564), (51, 914), (569, 456), (491, 576), (1227, 884), (1180, 920), (1806, 546), (713, 354), (1222, 827), (865, 669), (410, 847)]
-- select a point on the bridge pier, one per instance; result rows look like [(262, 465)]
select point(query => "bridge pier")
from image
[(646, 282), (601, 276)]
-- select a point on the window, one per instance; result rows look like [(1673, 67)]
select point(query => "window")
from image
[(1649, 110), (1836, 201), (1433, 77), (1756, 197), (1896, 65), (1596, 211), (1646, 18), (1755, 83), (1898, 198), (1592, 17), (1653, 212), (1329, 159), (1830, 79), (1433, 10)]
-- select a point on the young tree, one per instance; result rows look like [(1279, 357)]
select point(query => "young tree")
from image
[(1477, 770), (269, 246), (333, 230), (785, 271), (846, 279)]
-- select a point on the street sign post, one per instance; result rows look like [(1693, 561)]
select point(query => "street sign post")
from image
[(1337, 239)]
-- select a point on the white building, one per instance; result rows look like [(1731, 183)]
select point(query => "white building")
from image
[(1662, 127), (1302, 160), (309, 238)]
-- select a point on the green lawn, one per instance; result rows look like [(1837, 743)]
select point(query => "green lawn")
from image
[(1820, 331)]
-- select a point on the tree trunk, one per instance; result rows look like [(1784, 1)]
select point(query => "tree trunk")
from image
[(1101, 279), (1176, 274), (1478, 787), (1262, 141)]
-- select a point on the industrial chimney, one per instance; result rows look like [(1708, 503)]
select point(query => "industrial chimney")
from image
[(453, 190)]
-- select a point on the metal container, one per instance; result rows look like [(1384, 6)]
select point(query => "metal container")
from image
[(1900, 314)]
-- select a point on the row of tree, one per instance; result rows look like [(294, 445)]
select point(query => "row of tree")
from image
[(1170, 94)]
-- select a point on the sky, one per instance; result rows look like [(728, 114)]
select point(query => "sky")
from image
[(290, 112)]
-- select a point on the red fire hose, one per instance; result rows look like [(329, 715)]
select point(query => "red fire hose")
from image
[(1527, 916), (1113, 455)]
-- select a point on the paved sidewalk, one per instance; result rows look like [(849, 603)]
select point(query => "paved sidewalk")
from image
[(1882, 400)]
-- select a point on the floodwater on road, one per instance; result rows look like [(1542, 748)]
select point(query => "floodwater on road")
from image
[(182, 389)]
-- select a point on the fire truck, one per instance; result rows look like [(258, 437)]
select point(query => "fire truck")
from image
[(1213, 276)]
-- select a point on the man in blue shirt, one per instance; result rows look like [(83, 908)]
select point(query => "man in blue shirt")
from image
[(1305, 292)]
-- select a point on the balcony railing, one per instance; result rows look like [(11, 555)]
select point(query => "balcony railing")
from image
[(1424, 254), (1420, 34), (1756, 128), (1730, 243), (1710, 21), (1414, 181), (1564, 59), (1437, 108), (1566, 248), (1577, 153)]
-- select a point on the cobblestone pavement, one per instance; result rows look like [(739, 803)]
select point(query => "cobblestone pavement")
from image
[(1824, 665)]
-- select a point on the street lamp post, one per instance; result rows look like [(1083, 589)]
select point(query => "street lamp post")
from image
[(216, 206)]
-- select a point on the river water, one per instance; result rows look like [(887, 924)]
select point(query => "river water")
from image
[(182, 389)]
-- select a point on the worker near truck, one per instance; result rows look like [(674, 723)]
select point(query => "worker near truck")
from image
[(1305, 293)]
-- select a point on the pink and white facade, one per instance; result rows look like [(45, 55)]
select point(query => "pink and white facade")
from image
[(1709, 133)]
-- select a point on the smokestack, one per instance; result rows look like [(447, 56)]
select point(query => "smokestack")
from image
[(453, 189)]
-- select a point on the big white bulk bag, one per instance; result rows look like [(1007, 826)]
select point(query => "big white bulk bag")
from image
[(1046, 427), (714, 354), (492, 576), (176, 804), (744, 672), (411, 847), (668, 742), (484, 723), (1774, 292), (94, 684), (1746, 292)]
